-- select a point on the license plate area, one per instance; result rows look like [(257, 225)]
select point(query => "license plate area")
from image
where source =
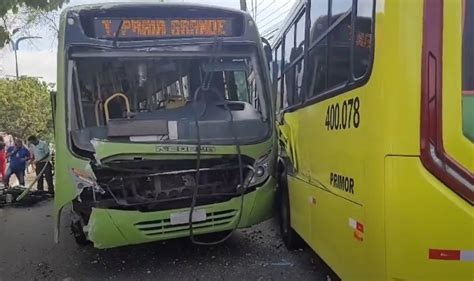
[(183, 217)]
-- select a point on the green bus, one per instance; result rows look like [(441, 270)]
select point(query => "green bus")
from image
[(163, 123)]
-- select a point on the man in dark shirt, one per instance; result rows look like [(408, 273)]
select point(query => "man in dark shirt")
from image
[(18, 156)]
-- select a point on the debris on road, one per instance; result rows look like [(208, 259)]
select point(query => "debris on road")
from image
[(282, 263), (8, 197)]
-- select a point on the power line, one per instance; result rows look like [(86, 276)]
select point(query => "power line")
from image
[(271, 32), (257, 4), (278, 23), (266, 7), (272, 16), (269, 38), (272, 19), (256, 7), (253, 8), (283, 5), (263, 1)]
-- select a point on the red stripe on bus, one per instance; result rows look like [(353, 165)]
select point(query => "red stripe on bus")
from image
[(468, 93), (437, 254)]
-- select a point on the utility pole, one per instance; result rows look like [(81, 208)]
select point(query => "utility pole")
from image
[(15, 48), (243, 5)]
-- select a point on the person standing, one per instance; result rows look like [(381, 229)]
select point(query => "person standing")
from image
[(18, 155), (3, 160), (41, 154)]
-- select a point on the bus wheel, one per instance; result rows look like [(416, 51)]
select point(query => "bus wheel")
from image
[(291, 239), (79, 235)]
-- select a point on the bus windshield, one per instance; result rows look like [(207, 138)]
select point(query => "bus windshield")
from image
[(468, 71), (121, 97)]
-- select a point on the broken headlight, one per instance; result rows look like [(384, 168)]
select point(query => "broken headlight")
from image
[(83, 180), (260, 171)]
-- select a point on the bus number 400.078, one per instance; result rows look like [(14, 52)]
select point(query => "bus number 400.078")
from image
[(345, 116)]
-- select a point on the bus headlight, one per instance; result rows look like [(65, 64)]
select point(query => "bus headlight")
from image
[(260, 171), (84, 180)]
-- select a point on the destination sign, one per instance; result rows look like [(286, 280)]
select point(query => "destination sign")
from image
[(107, 28)]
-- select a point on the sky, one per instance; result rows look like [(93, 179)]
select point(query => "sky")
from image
[(37, 57)]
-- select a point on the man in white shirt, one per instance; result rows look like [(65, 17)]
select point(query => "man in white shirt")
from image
[(41, 153)]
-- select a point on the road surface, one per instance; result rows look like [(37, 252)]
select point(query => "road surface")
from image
[(27, 252)]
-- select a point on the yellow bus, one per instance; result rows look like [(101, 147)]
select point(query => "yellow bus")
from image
[(376, 122)]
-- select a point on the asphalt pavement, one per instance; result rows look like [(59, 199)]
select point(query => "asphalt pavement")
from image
[(27, 252)]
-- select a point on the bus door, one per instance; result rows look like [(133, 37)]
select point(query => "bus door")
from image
[(458, 104), (447, 129)]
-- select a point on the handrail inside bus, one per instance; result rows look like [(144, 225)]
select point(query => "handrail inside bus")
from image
[(97, 108), (106, 105)]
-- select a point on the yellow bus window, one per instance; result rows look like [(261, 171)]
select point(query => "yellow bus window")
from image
[(468, 70)]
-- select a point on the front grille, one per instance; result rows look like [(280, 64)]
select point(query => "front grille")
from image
[(160, 227), (150, 185)]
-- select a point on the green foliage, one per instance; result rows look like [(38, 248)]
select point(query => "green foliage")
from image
[(4, 36), (25, 108), (13, 6)]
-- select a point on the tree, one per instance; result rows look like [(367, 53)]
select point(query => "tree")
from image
[(19, 14), (25, 108)]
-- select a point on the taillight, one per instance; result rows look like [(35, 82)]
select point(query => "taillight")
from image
[(433, 154)]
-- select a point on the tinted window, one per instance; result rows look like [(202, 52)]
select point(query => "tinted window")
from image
[(335, 58), (299, 81), (289, 88), (289, 44), (339, 7), (279, 99), (317, 69), (339, 53), (241, 87), (278, 60), (468, 71), (300, 32), (363, 37), (319, 18)]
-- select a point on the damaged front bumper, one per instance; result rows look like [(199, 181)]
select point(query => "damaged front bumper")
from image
[(109, 228)]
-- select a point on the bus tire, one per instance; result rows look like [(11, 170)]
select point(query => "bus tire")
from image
[(79, 235), (290, 238)]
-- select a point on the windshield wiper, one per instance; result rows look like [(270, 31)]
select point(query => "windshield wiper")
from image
[(114, 43)]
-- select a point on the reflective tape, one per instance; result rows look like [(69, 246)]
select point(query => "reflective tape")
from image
[(467, 255), (356, 225), (453, 255)]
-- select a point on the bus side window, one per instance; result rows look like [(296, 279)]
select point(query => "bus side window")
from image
[(468, 71), (278, 60), (363, 37), (329, 61), (289, 72), (299, 50), (317, 60), (339, 53)]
